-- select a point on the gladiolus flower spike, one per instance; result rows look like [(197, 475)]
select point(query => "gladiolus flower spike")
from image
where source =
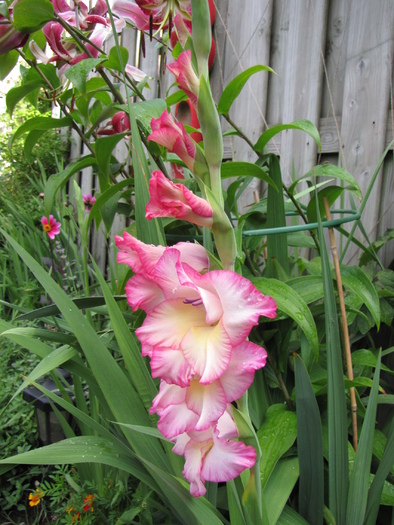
[(195, 333)]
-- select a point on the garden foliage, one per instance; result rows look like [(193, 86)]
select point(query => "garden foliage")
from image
[(219, 375)]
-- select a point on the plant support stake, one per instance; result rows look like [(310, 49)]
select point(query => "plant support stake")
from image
[(334, 251)]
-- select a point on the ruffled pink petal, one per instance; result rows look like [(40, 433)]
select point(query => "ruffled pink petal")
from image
[(193, 462), (170, 365), (238, 376), (141, 257), (143, 293), (208, 350), (167, 273), (209, 401), (242, 303), (226, 460), (226, 426), (131, 11), (168, 395)]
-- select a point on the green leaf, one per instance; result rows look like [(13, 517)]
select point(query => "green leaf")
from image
[(234, 88), (329, 170), (113, 61), (145, 110), (103, 148), (359, 477), (310, 447), (16, 94), (290, 517), (150, 232), (276, 435), (375, 491), (355, 279), (40, 123), (279, 487), (7, 63), (332, 193), (82, 449), (240, 169), (336, 400), (94, 213), (276, 244), (301, 125), (31, 15), (290, 302), (82, 303), (129, 346), (78, 73), (56, 181), (122, 399)]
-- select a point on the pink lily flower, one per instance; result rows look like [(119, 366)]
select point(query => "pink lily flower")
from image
[(197, 406), (204, 316), (88, 201), (119, 123), (182, 69), (10, 38), (212, 455), (50, 226), (175, 200), (172, 135), (152, 14)]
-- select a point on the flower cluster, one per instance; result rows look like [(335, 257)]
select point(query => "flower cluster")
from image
[(195, 333)]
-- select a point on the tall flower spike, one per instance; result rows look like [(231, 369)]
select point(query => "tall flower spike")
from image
[(175, 200)]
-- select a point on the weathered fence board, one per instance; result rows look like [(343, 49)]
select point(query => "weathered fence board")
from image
[(334, 64)]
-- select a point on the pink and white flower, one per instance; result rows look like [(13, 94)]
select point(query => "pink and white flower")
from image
[(204, 316), (172, 135), (196, 406), (50, 226), (175, 200), (195, 333), (213, 455)]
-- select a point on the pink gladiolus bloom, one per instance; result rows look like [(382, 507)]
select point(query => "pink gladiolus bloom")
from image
[(172, 135), (195, 406), (88, 201), (51, 227), (204, 316), (211, 455), (185, 75), (175, 200)]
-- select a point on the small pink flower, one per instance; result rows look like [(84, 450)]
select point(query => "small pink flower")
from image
[(172, 135), (175, 200), (51, 227), (182, 69), (88, 201)]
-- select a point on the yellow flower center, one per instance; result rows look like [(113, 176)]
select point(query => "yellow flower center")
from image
[(47, 227)]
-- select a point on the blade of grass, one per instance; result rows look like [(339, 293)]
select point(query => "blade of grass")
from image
[(338, 470), (122, 399), (310, 447), (359, 478)]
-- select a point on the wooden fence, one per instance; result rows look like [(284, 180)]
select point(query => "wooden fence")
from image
[(334, 65)]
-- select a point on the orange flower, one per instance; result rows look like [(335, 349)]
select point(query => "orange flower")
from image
[(88, 502), (35, 497)]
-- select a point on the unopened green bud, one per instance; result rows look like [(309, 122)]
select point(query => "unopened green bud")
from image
[(202, 34)]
